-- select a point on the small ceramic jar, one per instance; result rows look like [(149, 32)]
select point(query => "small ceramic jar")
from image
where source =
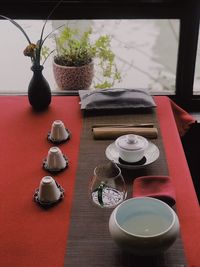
[(131, 147)]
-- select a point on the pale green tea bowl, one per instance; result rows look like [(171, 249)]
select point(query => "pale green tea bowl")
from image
[(144, 226)]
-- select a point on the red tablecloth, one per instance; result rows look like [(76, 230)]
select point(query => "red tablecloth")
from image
[(186, 200), (31, 236), (182, 118)]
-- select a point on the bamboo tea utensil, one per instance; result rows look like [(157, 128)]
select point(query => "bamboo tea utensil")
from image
[(114, 132), (123, 125)]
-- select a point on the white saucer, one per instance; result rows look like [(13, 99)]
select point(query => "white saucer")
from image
[(152, 154)]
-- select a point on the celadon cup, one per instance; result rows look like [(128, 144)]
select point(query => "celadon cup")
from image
[(144, 226)]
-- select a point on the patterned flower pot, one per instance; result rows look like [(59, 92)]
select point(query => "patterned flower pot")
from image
[(73, 78)]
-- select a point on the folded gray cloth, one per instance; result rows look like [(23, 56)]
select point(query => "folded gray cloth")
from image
[(115, 99)]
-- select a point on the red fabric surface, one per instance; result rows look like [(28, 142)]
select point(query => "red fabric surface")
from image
[(29, 235), (183, 119), (160, 187), (186, 201)]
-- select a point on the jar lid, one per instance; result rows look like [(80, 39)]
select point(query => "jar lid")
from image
[(131, 142)]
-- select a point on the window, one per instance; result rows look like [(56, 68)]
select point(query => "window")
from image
[(185, 13), (146, 52), (196, 88)]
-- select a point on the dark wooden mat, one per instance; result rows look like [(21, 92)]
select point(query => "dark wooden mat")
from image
[(89, 243)]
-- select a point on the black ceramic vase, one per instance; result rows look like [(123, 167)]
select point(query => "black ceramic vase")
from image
[(39, 92)]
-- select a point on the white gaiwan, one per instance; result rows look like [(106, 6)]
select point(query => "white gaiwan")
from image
[(144, 226), (131, 147)]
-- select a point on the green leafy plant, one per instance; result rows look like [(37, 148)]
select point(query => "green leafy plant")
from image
[(77, 49), (34, 50)]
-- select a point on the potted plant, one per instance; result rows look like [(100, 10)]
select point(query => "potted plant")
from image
[(76, 55)]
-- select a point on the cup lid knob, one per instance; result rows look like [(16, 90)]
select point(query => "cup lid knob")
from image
[(131, 139)]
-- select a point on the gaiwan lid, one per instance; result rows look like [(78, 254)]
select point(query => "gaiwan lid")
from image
[(131, 142)]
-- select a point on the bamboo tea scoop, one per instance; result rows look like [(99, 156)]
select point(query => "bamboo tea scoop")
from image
[(124, 125), (114, 132)]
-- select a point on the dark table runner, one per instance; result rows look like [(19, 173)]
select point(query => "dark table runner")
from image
[(89, 243)]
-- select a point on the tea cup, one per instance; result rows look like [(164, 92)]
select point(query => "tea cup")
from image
[(55, 159), (49, 191), (131, 147), (58, 131)]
